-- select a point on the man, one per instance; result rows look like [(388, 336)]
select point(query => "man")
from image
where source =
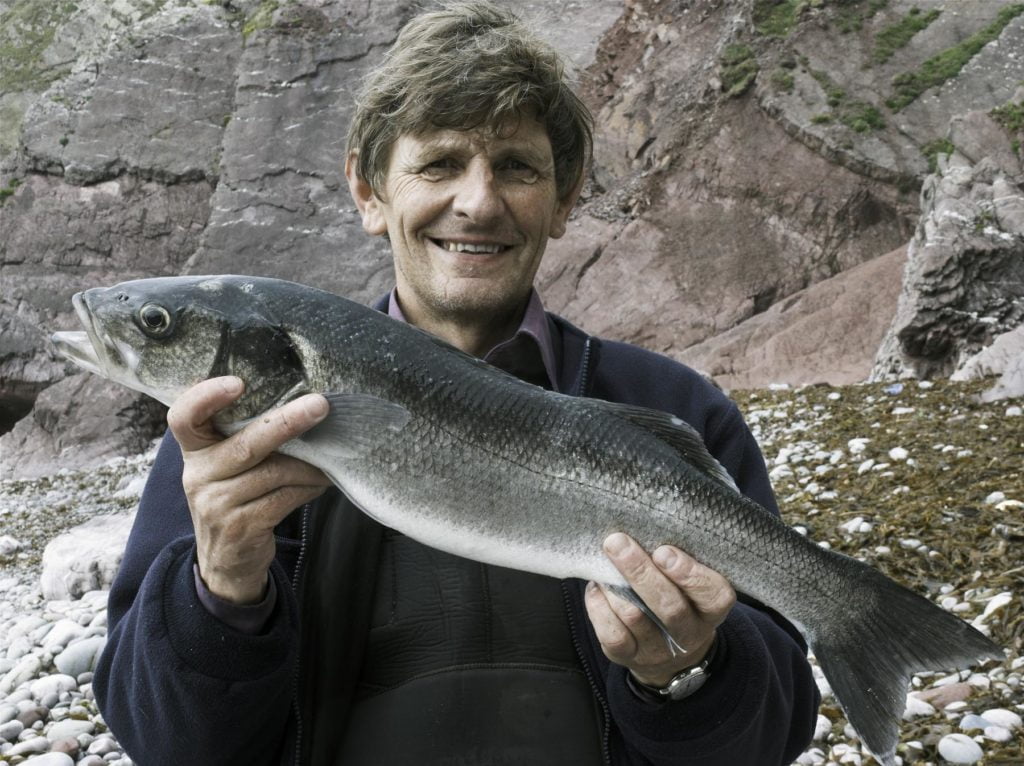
[(244, 632)]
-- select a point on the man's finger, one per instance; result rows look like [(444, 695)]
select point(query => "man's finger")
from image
[(257, 440), (615, 638), (708, 591), (189, 416), (657, 591)]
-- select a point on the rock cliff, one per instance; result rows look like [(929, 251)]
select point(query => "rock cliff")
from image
[(758, 163)]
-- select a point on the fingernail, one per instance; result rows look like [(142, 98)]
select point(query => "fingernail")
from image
[(665, 557), (231, 384), (316, 406), (616, 543)]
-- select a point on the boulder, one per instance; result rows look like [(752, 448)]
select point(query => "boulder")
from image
[(964, 279), (81, 421), (85, 558)]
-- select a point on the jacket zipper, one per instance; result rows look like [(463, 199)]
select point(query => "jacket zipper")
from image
[(605, 713), (584, 378), (296, 588)]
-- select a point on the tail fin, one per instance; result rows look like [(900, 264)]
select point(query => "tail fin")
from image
[(889, 633)]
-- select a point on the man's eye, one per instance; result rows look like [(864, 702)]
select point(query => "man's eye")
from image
[(520, 170), (438, 167)]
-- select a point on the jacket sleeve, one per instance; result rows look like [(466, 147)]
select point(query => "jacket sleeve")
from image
[(174, 683), (758, 708)]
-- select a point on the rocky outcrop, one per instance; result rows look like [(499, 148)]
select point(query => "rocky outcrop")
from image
[(81, 421), (964, 282), (827, 333)]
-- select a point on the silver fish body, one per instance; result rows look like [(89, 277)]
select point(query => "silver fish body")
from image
[(470, 460)]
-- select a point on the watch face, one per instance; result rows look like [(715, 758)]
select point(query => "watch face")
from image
[(686, 685)]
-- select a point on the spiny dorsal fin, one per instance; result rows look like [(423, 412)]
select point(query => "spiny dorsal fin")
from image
[(676, 433)]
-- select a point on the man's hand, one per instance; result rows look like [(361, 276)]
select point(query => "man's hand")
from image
[(689, 598), (238, 488)]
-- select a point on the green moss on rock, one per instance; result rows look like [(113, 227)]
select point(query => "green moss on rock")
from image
[(896, 36), (262, 18), (933, 149), (947, 64), (739, 69), (27, 29)]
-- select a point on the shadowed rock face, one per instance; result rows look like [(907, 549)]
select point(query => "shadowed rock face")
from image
[(964, 283), (743, 156)]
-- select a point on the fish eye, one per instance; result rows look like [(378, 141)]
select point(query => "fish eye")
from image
[(155, 319)]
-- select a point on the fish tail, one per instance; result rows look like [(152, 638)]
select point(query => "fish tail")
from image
[(880, 635)]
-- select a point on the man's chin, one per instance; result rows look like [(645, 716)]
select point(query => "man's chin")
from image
[(476, 302)]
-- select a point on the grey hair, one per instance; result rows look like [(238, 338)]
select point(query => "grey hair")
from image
[(467, 66)]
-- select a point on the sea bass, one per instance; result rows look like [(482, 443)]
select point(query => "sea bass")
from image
[(468, 459)]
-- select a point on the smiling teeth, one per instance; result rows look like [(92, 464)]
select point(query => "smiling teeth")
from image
[(465, 247)]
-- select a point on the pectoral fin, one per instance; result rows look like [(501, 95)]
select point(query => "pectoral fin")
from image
[(356, 424)]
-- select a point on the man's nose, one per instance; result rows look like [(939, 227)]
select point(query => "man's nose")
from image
[(477, 196)]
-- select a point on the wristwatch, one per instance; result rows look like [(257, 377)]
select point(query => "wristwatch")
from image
[(681, 685)]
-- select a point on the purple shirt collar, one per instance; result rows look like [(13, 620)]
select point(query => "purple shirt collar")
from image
[(530, 347)]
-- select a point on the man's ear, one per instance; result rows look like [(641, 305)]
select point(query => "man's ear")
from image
[(366, 200), (564, 207)]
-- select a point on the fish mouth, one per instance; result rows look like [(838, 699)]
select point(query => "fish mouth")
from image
[(90, 350)]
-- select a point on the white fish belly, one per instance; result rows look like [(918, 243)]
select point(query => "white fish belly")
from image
[(576, 552)]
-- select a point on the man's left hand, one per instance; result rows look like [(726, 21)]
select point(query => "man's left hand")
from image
[(691, 599)]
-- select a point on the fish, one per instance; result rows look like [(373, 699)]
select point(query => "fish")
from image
[(466, 458)]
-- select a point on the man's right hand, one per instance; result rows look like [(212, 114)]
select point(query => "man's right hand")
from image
[(238, 488)]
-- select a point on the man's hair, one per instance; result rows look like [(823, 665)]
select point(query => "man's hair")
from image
[(469, 65)]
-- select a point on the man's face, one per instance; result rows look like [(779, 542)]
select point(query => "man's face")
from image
[(468, 214)]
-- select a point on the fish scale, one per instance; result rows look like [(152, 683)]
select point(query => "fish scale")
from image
[(468, 459)]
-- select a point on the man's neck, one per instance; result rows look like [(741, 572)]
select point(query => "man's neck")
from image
[(474, 335)]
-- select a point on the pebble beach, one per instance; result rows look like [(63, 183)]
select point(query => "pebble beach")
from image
[(922, 480)]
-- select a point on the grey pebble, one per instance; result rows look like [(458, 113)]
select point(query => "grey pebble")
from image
[(11, 729), (30, 746), (33, 715)]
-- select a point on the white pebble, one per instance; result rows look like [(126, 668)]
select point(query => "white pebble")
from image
[(50, 759), (926, 384), (858, 445), (998, 733), (1014, 411), (1003, 717), (959, 748), (8, 545), (835, 396), (903, 410), (916, 707), (972, 722), (852, 526), (995, 497), (866, 466), (898, 453), (813, 757), (822, 728), (997, 602)]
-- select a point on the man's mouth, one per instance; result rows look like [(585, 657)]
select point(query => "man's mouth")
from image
[(483, 248)]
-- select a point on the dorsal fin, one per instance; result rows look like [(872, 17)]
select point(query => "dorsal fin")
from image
[(676, 433)]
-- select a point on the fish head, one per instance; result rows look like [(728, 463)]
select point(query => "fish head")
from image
[(161, 336)]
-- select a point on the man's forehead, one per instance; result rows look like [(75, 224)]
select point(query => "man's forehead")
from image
[(527, 135)]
